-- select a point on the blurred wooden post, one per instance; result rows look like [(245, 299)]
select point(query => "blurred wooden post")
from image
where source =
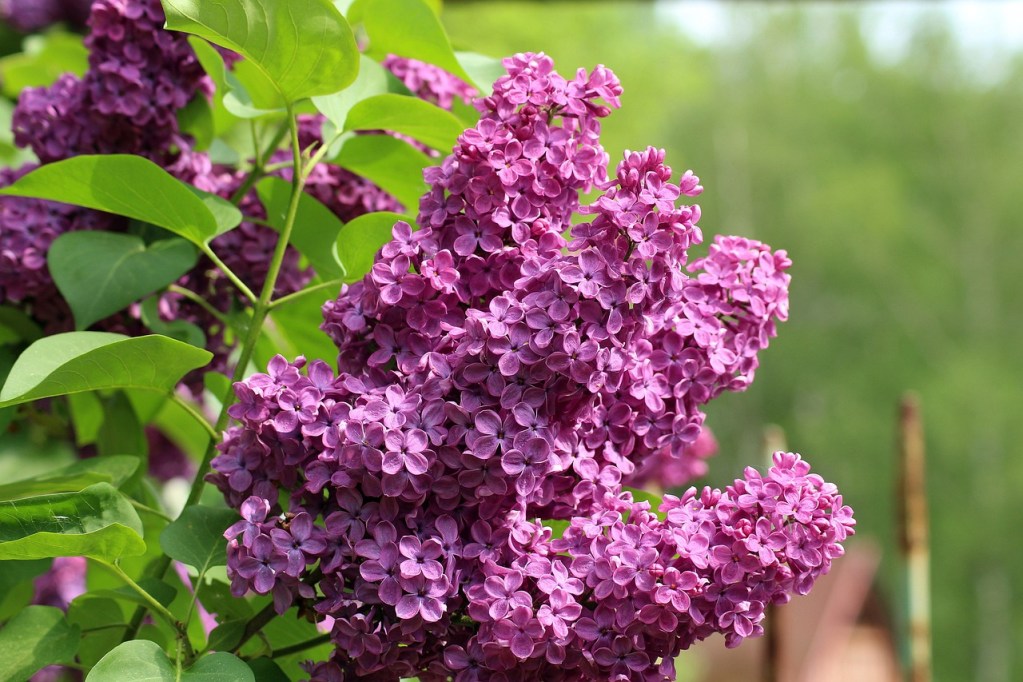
[(912, 494), (773, 440)]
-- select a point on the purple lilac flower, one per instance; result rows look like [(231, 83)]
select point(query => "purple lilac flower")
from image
[(29, 16), (492, 372), (429, 82)]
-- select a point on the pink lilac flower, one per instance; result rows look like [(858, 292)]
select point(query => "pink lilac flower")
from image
[(505, 363)]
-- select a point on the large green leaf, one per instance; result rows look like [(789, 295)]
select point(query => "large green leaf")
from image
[(35, 638), (97, 522), (315, 232), (114, 470), (407, 28), (361, 238), (392, 164), (143, 661), (100, 273), (134, 187), (88, 361), (411, 116), (196, 537), (304, 47)]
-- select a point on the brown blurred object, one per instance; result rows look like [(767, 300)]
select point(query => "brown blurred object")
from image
[(838, 633)]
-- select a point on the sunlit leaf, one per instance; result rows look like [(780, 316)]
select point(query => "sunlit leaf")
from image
[(134, 187), (304, 47), (88, 361), (97, 522)]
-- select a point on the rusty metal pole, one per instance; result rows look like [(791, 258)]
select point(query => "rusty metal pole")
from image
[(773, 440), (912, 495)]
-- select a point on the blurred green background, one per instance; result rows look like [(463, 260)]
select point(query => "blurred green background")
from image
[(881, 144)]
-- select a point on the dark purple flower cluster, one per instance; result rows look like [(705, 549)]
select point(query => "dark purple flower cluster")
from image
[(493, 372), (27, 228), (139, 76), (29, 16), (429, 82)]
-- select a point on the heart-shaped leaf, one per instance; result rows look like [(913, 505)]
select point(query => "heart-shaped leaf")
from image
[(134, 187), (303, 47), (391, 163), (361, 238), (315, 232), (89, 361), (417, 118), (97, 522), (144, 661), (100, 273), (35, 638), (196, 537), (114, 470)]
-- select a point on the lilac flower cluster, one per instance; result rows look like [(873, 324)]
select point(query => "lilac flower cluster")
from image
[(29, 16), (429, 82), (493, 372), (27, 228), (139, 76)]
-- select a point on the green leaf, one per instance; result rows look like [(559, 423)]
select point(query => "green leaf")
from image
[(315, 232), (228, 635), (100, 273), (86, 410), (142, 661), (196, 538), (97, 522), (266, 670), (304, 47), (411, 116), (44, 59), (114, 470), (121, 432), (392, 164), (483, 69), (20, 325), (362, 238), (373, 79), (35, 638), (89, 361), (407, 28), (97, 618), (16, 587), (134, 187)]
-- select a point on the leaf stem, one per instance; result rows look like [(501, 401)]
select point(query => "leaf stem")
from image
[(301, 646), (200, 301), (194, 414), (150, 510), (261, 309), (242, 286), (155, 606), (258, 168), (283, 300)]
